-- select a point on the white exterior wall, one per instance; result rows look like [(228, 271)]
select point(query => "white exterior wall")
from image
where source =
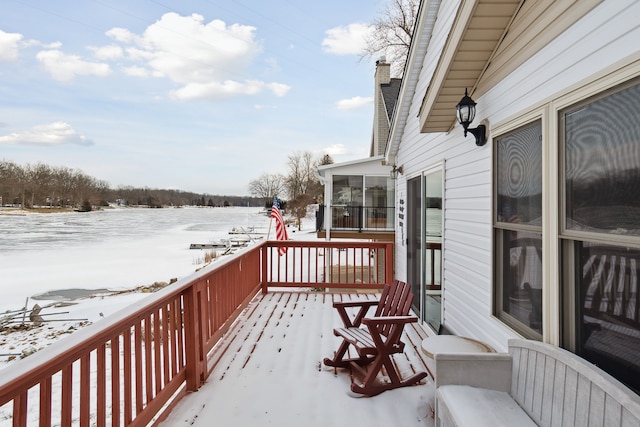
[(608, 35)]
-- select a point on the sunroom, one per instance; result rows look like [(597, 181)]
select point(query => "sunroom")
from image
[(359, 200)]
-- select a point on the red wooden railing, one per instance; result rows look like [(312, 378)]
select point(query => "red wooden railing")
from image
[(131, 368)]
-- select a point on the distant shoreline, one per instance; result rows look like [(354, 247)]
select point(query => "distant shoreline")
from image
[(21, 211)]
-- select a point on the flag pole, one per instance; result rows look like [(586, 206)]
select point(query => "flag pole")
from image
[(270, 222)]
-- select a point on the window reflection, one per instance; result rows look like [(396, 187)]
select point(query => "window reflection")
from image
[(602, 162)]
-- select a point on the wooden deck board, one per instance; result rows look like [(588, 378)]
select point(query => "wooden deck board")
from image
[(267, 370)]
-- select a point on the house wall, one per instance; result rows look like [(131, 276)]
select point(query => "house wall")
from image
[(606, 38)]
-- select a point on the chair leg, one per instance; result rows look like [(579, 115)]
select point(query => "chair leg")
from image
[(339, 361), (371, 387)]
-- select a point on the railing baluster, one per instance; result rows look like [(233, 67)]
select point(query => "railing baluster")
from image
[(128, 379), (101, 388), (45, 403), (66, 410), (148, 359), (139, 373), (181, 327), (166, 346), (85, 395), (20, 410), (115, 381)]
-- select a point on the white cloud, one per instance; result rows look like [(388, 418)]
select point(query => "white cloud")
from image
[(353, 103), (136, 71), (335, 150), (9, 43), (227, 88), (54, 45), (279, 89), (204, 58), (122, 35), (56, 133), (349, 40), (110, 52), (187, 50), (65, 67)]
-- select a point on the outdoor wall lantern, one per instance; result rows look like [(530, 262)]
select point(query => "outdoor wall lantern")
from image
[(395, 171), (466, 113)]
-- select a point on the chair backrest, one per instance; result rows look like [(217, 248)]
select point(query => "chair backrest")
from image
[(396, 300), (555, 386)]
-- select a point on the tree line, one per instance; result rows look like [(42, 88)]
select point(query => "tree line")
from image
[(40, 185)]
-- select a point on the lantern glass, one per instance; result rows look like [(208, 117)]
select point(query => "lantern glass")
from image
[(466, 109)]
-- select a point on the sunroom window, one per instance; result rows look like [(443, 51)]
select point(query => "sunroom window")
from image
[(359, 202)]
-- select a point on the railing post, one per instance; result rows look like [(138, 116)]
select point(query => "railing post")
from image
[(263, 267), (388, 262), (194, 346)]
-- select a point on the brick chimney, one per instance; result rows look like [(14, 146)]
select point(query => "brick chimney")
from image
[(383, 72)]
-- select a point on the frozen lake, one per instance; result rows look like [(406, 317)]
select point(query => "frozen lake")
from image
[(112, 249)]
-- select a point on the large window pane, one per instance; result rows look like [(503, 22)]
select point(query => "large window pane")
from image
[(519, 176), (347, 201), (347, 190), (602, 164), (521, 277), (608, 319), (601, 149)]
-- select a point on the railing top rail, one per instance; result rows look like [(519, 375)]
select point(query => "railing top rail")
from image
[(328, 244)]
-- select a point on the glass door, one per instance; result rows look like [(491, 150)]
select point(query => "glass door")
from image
[(432, 249), (424, 244), (414, 240)]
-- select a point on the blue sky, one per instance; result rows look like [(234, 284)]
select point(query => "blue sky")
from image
[(201, 96)]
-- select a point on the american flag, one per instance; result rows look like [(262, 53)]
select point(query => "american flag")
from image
[(281, 229)]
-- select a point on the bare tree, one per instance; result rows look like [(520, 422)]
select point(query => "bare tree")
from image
[(303, 186), (267, 186), (392, 34)]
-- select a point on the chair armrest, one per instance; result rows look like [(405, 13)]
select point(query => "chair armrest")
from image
[(389, 320), (364, 303), (364, 306), (486, 370)]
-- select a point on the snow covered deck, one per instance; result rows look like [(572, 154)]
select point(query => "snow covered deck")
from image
[(267, 370)]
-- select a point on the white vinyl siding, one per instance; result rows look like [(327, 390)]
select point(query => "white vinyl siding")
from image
[(604, 39)]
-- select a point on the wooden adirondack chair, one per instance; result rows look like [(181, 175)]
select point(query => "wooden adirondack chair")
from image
[(378, 341)]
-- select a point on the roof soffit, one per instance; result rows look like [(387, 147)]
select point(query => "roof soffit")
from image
[(478, 28), (488, 40)]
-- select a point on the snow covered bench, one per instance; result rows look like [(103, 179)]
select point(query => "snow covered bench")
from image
[(533, 384)]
